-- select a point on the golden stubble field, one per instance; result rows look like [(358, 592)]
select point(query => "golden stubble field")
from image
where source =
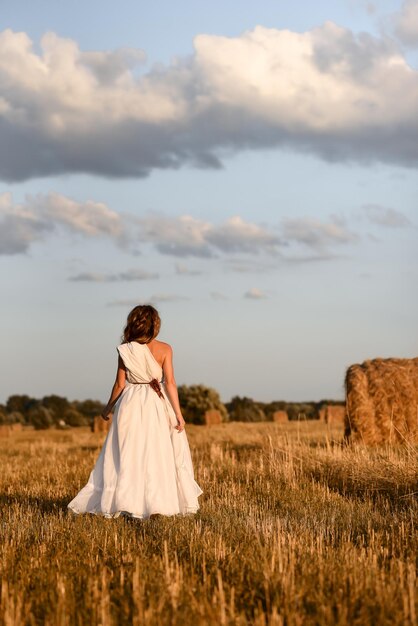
[(294, 529)]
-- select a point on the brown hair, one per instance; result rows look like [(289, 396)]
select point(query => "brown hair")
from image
[(143, 324)]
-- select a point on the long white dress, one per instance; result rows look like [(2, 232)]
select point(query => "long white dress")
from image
[(145, 465)]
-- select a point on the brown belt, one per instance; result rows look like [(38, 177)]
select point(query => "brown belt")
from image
[(154, 384)]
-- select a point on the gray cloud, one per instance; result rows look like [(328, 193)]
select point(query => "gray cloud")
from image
[(405, 23), (41, 215), (236, 235), (336, 95), (181, 236), (17, 233), (186, 236), (317, 235), (128, 275), (384, 216), (111, 66)]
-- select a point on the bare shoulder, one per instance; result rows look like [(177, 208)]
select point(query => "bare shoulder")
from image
[(164, 347), (162, 351)]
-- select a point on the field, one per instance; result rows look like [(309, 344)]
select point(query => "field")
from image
[(294, 529)]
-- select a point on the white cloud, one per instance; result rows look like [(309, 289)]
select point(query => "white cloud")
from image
[(315, 234), (186, 236), (178, 236), (326, 91), (255, 294), (88, 218), (385, 216), (236, 235), (181, 236), (113, 66), (19, 226), (406, 23), (23, 224), (127, 275)]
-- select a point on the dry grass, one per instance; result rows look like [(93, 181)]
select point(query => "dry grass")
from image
[(294, 529), (382, 401)]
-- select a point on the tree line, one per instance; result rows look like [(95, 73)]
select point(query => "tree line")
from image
[(55, 411)]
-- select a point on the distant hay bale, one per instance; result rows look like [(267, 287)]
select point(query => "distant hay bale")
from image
[(100, 425), (280, 417), (5, 430), (334, 414), (382, 401), (212, 417), (16, 428)]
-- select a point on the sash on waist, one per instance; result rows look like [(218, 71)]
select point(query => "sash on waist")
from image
[(156, 386)]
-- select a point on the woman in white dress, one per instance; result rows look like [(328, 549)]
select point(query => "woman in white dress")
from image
[(144, 467)]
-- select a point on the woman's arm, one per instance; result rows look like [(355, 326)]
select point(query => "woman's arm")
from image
[(117, 389), (171, 387)]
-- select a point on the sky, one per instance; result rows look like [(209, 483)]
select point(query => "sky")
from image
[(248, 168)]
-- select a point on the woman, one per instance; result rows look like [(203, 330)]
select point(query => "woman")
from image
[(145, 467)]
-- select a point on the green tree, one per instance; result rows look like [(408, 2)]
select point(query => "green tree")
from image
[(22, 404), (57, 405), (195, 400), (40, 417), (15, 418), (245, 410), (72, 417), (89, 408), (302, 411)]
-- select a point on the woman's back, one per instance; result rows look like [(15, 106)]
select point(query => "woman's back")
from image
[(145, 465)]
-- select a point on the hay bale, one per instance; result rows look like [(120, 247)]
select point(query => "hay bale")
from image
[(322, 413), (382, 401), (5, 430), (16, 427), (280, 417), (100, 425), (212, 417), (334, 414)]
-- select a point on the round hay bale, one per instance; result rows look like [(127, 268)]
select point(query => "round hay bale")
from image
[(382, 401), (280, 417), (5, 430), (16, 427), (212, 417), (322, 414), (334, 414)]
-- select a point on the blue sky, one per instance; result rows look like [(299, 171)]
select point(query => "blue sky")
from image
[(249, 169)]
